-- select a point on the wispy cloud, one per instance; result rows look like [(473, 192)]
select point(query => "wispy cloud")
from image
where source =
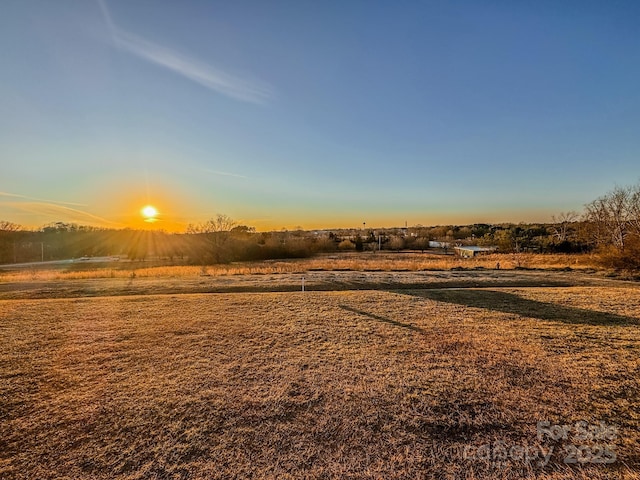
[(60, 211), (195, 70), (25, 197), (224, 174)]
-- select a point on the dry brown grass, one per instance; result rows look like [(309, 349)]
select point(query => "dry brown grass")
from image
[(376, 384), (289, 282), (383, 262)]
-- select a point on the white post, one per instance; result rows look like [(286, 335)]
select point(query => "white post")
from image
[(303, 284)]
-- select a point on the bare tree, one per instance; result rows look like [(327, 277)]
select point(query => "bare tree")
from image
[(615, 216), (396, 243), (8, 236), (562, 222), (222, 223), (214, 234), (634, 210)]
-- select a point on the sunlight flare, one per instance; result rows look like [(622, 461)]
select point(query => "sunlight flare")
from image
[(149, 213)]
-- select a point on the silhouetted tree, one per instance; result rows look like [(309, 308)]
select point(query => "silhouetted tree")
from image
[(222, 223)]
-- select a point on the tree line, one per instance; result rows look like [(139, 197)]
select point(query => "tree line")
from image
[(609, 225), (207, 243)]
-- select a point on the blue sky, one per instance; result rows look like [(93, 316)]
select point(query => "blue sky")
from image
[(318, 114)]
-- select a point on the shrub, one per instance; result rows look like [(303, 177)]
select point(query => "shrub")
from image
[(346, 245), (622, 259)]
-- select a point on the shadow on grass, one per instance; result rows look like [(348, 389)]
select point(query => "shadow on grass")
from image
[(511, 303), (382, 319)]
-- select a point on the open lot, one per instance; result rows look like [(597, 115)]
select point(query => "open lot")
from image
[(367, 375)]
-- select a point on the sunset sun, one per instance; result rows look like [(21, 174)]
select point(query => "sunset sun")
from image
[(149, 213)]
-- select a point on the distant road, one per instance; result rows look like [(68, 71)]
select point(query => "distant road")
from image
[(54, 263)]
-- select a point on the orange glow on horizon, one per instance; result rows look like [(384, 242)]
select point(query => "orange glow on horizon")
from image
[(159, 206)]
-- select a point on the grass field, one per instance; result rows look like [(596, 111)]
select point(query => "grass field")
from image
[(409, 380), (357, 262)]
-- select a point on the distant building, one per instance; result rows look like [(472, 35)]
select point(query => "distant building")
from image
[(434, 244), (468, 252)]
